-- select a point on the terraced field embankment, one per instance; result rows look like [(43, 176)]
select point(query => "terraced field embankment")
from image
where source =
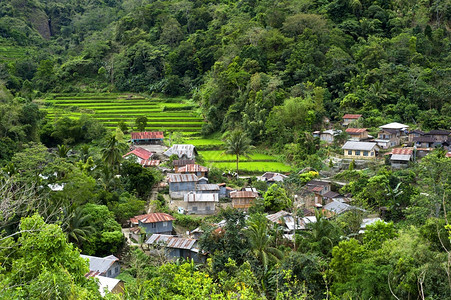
[(168, 115)]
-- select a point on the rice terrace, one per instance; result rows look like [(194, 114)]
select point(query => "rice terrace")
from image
[(169, 115)]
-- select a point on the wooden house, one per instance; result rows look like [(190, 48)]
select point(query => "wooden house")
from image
[(357, 134), (243, 199), (147, 137), (178, 163), (201, 203), (328, 136), (413, 134), (180, 184), (400, 157), (349, 118), (154, 223), (365, 150)]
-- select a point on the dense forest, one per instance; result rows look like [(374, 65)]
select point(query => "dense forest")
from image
[(274, 70)]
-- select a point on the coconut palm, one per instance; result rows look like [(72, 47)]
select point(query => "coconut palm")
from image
[(238, 144), (111, 154), (77, 226), (260, 241)]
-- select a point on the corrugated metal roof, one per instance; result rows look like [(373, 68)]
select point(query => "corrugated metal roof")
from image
[(180, 150), (171, 241), (270, 176), (424, 139), (351, 116), (339, 207), (195, 197), (400, 157), (403, 151), (243, 194), (317, 189), (99, 264), (439, 132), (207, 187), (140, 152), (147, 135), (276, 218), (150, 163), (331, 194), (182, 178), (355, 130), (158, 239), (192, 168), (152, 218), (364, 146), (182, 162)]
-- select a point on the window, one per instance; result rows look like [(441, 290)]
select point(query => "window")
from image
[(194, 208), (372, 153), (154, 225), (357, 152), (349, 152), (165, 224), (207, 208), (365, 153), (116, 270), (109, 273)]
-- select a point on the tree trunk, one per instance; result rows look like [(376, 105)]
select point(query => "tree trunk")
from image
[(237, 159)]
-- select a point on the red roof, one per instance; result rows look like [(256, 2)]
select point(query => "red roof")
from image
[(317, 189), (351, 116), (355, 130), (402, 151), (448, 154), (192, 168), (141, 153), (152, 218), (147, 135)]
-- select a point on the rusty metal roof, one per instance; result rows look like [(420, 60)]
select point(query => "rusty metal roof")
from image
[(243, 194), (152, 218), (351, 116), (182, 178), (402, 151), (192, 168), (150, 163), (140, 152), (171, 241), (355, 130), (147, 135), (182, 162)]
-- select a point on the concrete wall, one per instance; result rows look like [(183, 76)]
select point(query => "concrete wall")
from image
[(158, 227), (201, 208), (359, 154)]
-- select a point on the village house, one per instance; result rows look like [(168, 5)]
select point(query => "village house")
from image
[(224, 190), (359, 150), (333, 196), (395, 133), (270, 178), (327, 136), (147, 137), (440, 136), (154, 223), (183, 151), (243, 199), (414, 134), (208, 188), (178, 163), (176, 247), (336, 208), (180, 184), (424, 141), (203, 204), (198, 170), (349, 118), (103, 266), (318, 186), (400, 157), (112, 285), (139, 155), (285, 219), (357, 134)]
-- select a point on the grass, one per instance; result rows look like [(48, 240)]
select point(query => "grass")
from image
[(217, 155), (204, 142), (254, 167)]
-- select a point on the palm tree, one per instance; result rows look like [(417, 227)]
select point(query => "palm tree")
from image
[(260, 240), (111, 154), (62, 151), (238, 144), (77, 226)]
